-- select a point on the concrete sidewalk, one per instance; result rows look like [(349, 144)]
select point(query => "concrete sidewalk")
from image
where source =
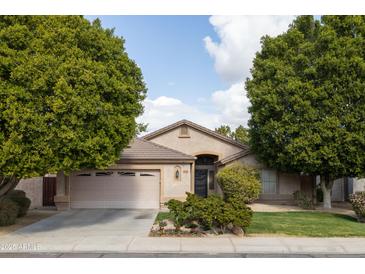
[(208, 245)]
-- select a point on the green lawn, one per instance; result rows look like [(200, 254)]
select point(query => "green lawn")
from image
[(313, 224)]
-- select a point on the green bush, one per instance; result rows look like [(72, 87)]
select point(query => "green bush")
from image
[(178, 213), (241, 215), (15, 193), (240, 182), (303, 200), (209, 212), (23, 204), (357, 201), (18, 196), (8, 212)]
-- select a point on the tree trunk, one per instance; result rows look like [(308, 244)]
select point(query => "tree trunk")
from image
[(326, 186), (7, 184)]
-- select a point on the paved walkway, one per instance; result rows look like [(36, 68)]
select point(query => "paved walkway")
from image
[(209, 245)]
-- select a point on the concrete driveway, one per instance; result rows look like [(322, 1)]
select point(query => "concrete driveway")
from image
[(81, 230)]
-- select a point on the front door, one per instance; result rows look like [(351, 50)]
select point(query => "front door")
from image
[(201, 182)]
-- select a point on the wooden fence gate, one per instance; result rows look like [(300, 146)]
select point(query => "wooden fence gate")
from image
[(49, 191)]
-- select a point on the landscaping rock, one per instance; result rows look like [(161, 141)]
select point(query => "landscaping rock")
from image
[(238, 231)]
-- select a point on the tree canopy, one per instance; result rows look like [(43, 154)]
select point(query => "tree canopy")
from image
[(307, 94), (240, 134), (69, 95)]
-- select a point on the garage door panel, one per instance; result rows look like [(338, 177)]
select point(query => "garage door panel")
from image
[(116, 191)]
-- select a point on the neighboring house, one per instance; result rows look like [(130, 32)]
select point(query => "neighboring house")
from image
[(165, 164)]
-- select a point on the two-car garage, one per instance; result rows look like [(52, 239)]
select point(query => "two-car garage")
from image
[(115, 189), (145, 176)]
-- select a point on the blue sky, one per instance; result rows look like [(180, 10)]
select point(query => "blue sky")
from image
[(194, 66), (170, 51)]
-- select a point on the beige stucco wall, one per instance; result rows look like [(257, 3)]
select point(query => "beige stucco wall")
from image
[(198, 143), (358, 184), (33, 188), (288, 183), (249, 160)]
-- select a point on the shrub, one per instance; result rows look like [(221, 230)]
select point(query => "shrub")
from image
[(15, 193), (8, 212), (240, 182), (178, 213), (23, 204), (303, 200), (209, 212), (357, 201), (18, 196), (241, 215)]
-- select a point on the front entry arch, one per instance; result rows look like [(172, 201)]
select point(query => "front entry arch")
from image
[(204, 174)]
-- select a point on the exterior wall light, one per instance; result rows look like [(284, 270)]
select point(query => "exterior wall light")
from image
[(177, 174)]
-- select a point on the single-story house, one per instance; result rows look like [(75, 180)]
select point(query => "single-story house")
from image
[(182, 157)]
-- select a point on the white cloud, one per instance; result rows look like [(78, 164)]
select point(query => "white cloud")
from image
[(228, 107), (163, 111), (233, 55), (232, 105), (239, 41)]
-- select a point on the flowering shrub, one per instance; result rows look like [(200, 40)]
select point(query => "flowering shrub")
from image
[(357, 201)]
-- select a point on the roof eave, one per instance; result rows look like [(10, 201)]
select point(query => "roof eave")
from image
[(197, 127), (155, 161)]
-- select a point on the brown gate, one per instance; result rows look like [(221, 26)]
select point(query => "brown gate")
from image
[(49, 191)]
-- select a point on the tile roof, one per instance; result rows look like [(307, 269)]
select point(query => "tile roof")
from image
[(197, 127), (140, 149), (233, 157)]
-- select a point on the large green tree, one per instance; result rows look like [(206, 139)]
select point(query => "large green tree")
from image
[(240, 134), (69, 96), (307, 93)]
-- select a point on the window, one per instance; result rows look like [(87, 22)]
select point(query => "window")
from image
[(211, 179), (103, 173), (269, 181), (84, 174), (205, 160), (146, 174), (126, 173), (184, 131)]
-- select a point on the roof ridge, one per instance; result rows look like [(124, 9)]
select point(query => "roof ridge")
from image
[(167, 148), (196, 126)]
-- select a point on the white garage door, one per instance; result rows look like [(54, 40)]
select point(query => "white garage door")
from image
[(115, 189)]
